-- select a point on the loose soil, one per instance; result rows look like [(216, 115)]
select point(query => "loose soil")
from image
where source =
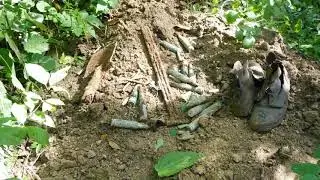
[(85, 146)]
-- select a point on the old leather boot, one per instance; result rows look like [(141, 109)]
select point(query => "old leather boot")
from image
[(246, 76), (272, 104)]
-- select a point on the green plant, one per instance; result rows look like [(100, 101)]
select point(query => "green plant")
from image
[(28, 30), (308, 171), (173, 162), (298, 21)]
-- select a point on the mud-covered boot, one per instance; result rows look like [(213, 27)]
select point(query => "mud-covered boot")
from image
[(272, 104), (246, 74)]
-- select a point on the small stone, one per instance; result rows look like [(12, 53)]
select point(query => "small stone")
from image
[(67, 163), (315, 106), (122, 167), (236, 158), (98, 142), (285, 152), (311, 116), (91, 154), (113, 145), (200, 169), (117, 161)]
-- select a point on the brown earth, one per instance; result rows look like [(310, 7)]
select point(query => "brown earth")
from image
[(85, 146)]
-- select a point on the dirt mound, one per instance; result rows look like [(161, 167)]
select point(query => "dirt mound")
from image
[(84, 146)]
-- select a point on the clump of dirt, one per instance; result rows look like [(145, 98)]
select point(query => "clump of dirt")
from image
[(85, 146)]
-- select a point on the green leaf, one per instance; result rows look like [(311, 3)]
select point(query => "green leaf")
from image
[(231, 16), (173, 132), (19, 111), (5, 106), (55, 101), (16, 83), (310, 177), (316, 153), (159, 143), (36, 44), (6, 59), (58, 76), (45, 61), (42, 6), (173, 162), (305, 168), (248, 41), (12, 135), (94, 21), (38, 73), (298, 26), (38, 135), (271, 2)]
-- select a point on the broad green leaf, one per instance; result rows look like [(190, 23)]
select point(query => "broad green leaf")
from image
[(65, 59), (6, 59), (49, 121), (5, 106), (19, 111), (231, 16), (310, 177), (316, 153), (305, 168), (31, 100), (94, 21), (251, 15), (248, 41), (38, 117), (13, 46), (3, 90), (298, 26), (47, 107), (16, 83), (46, 62), (37, 17), (58, 76), (113, 3), (239, 34), (55, 101), (65, 19), (38, 73), (36, 44), (42, 6), (159, 143), (38, 135), (12, 135), (173, 162), (271, 2)]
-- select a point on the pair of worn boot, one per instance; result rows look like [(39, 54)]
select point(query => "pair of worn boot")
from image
[(262, 95)]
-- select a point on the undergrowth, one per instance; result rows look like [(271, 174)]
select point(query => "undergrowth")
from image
[(298, 21), (29, 30)]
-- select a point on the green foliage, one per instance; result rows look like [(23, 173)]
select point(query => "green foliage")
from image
[(308, 171), (159, 143), (297, 21), (30, 29), (173, 162), (15, 135)]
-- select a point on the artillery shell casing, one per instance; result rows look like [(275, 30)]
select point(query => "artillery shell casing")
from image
[(186, 43), (128, 124), (188, 87), (184, 68), (198, 109), (195, 100), (170, 47), (211, 109), (134, 96), (181, 77)]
